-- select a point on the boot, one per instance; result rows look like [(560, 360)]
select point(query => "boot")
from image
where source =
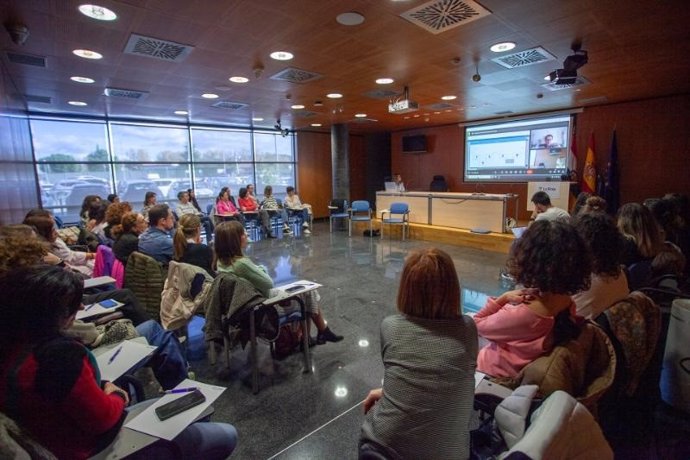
[(327, 336)]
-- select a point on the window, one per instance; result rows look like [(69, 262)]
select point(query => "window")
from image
[(79, 158)]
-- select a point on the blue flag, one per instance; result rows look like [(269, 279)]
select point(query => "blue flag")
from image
[(611, 187)]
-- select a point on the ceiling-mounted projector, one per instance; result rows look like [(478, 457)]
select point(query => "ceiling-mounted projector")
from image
[(568, 74), (403, 104)]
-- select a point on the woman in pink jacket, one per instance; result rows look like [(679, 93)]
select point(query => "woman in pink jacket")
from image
[(552, 261)]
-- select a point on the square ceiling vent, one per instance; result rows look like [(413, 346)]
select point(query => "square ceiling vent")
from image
[(164, 50), (524, 58), (131, 94), (230, 105), (294, 75), (26, 59), (442, 15)]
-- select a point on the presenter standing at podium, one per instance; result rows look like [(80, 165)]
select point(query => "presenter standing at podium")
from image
[(399, 185)]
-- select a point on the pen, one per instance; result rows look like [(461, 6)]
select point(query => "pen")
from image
[(117, 352), (180, 390), (89, 307)]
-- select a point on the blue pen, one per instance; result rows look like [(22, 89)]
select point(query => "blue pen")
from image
[(180, 390), (117, 352)]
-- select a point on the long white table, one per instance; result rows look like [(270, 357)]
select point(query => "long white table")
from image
[(459, 210)]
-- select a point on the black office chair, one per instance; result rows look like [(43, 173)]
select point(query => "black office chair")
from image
[(439, 184)]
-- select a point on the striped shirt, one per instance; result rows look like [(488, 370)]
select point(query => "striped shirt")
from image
[(428, 388)]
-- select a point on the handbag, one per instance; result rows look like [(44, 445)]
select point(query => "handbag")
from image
[(115, 332)]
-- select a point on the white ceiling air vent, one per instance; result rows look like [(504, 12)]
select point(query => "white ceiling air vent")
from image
[(440, 15), (579, 81), (229, 105), (384, 94), (34, 98), (524, 58), (440, 106), (304, 114), (131, 94), (26, 59), (157, 48), (294, 75)]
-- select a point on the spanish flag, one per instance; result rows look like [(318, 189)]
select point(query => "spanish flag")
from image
[(589, 174)]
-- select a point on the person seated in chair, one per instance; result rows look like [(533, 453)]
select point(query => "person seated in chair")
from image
[(186, 206), (188, 246), (249, 204), (544, 210), (270, 204), (429, 352), (293, 203), (552, 261), (225, 206), (51, 384), (230, 241), (157, 241)]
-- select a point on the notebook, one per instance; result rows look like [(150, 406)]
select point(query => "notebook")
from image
[(390, 186)]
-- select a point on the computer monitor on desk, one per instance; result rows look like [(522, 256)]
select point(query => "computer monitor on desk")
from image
[(390, 186)]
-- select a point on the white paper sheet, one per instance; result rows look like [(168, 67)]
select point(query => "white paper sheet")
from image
[(96, 309), (147, 422), (98, 281), (304, 286), (478, 377), (131, 352)]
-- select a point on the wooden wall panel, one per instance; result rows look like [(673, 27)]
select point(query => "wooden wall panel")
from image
[(653, 148), (314, 170)]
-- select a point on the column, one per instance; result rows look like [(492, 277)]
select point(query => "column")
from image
[(340, 161)]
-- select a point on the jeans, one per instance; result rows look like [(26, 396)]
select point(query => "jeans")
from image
[(168, 363), (200, 440)]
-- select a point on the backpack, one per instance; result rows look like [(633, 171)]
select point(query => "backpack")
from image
[(289, 338)]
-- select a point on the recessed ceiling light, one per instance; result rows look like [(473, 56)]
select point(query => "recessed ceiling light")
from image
[(88, 54), (209, 96), (77, 103), (450, 97), (334, 95), (351, 18), (181, 112), (361, 115), (416, 115), (407, 118), (437, 113), (501, 47), (282, 55), (97, 12), (239, 79), (257, 119), (384, 81), (297, 106), (316, 125), (82, 79)]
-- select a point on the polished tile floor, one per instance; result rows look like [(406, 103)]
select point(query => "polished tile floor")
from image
[(318, 415)]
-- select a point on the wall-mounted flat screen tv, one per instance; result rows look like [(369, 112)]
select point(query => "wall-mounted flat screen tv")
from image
[(526, 150), (414, 144)]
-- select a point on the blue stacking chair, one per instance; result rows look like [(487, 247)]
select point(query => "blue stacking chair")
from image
[(398, 214), (360, 211), (338, 209)]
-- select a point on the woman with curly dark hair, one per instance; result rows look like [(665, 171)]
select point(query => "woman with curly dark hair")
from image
[(609, 283), (552, 262)]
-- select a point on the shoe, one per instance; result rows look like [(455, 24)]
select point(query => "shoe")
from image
[(287, 231), (305, 225), (270, 235), (327, 336), (306, 231)]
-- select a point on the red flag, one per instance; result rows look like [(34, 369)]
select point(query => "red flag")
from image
[(589, 174)]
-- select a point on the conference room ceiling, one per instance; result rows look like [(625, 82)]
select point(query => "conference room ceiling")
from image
[(636, 50)]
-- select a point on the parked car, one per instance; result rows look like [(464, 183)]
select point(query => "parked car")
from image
[(164, 186), (63, 188), (79, 191), (184, 185), (93, 180), (135, 191)]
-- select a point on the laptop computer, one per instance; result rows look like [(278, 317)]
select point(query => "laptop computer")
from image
[(518, 231), (390, 186)]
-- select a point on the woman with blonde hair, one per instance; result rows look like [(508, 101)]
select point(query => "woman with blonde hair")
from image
[(429, 352), (188, 246), (229, 242)]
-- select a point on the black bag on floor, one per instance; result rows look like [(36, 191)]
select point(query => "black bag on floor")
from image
[(372, 234)]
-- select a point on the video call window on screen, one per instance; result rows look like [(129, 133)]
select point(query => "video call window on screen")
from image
[(518, 151)]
